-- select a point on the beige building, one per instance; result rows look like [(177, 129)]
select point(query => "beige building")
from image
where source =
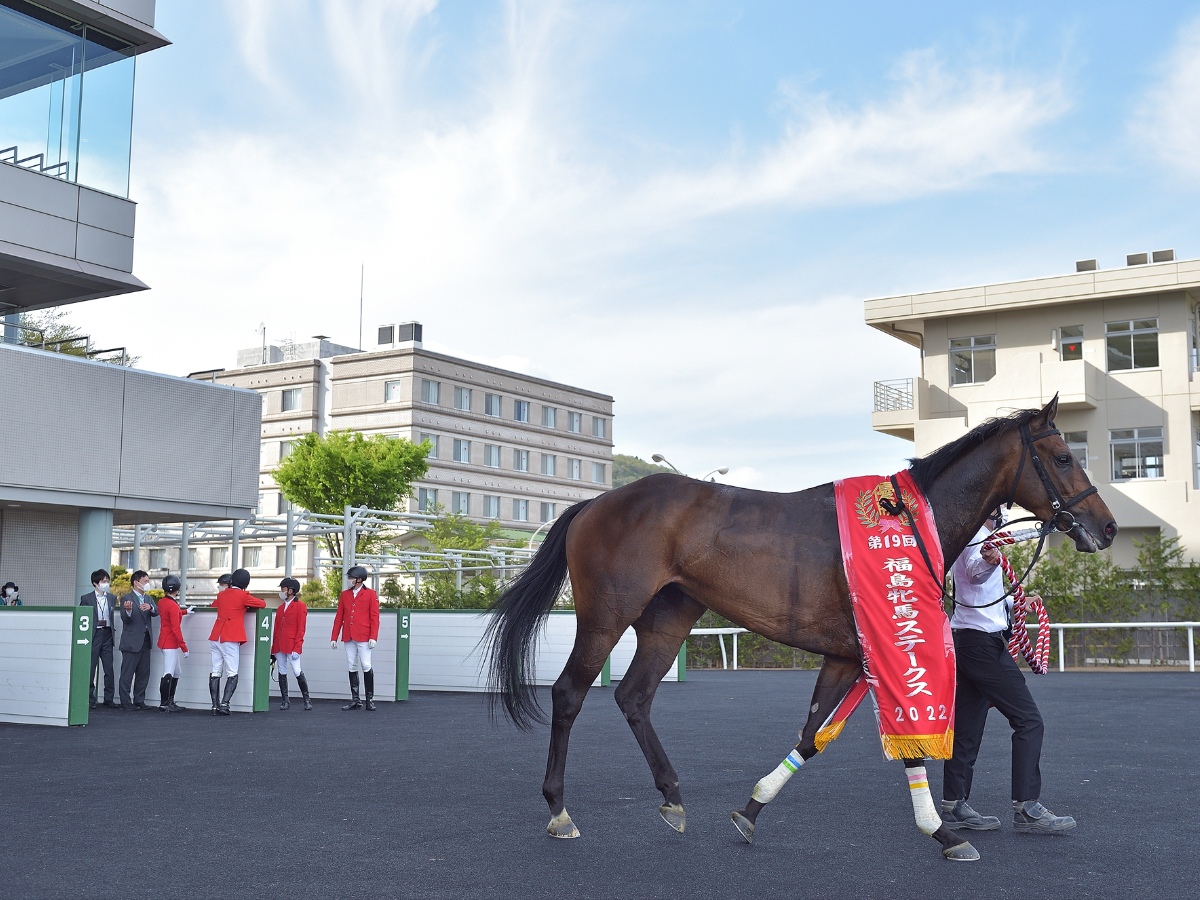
[(1119, 347)]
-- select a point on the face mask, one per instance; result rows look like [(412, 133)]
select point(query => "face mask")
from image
[(283, 595), (102, 587), (11, 592), (144, 586)]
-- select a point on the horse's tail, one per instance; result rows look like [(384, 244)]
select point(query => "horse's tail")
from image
[(517, 617)]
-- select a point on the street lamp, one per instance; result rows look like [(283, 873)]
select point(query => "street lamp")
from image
[(724, 470), (659, 458), (539, 531)]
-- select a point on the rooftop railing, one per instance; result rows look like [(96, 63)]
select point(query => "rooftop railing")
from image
[(893, 395)]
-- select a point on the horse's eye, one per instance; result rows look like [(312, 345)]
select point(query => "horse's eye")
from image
[(1064, 460)]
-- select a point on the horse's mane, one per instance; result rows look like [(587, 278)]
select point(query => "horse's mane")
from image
[(926, 469)]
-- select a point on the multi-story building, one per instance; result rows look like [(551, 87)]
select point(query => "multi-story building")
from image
[(76, 454), (503, 446), (1118, 346)]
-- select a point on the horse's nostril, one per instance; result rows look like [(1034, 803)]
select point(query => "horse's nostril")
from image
[(1110, 529)]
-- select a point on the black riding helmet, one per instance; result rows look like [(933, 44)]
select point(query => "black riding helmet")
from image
[(171, 584), (240, 579), (292, 584), (225, 579), (357, 572)]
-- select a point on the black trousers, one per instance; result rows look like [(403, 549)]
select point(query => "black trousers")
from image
[(987, 675), (135, 663), (102, 652)]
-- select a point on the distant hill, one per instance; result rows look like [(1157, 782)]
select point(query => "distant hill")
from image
[(630, 468)]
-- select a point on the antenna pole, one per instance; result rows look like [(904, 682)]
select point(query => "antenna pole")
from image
[(362, 274)]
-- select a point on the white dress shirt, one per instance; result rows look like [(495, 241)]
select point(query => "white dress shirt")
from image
[(102, 609), (977, 582)]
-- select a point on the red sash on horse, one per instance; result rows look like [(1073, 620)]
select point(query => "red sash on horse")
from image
[(908, 652)]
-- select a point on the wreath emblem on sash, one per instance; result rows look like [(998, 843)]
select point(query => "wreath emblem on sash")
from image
[(869, 511)]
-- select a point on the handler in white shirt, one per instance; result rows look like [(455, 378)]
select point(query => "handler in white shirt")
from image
[(989, 676)]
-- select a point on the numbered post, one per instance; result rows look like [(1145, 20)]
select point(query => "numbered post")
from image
[(82, 635), (403, 641), (262, 660)]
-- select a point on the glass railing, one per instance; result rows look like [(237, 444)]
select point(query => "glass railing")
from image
[(66, 98)]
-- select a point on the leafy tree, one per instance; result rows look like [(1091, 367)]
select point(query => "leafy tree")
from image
[(457, 532), (627, 469), (120, 582), (326, 474), (60, 336)]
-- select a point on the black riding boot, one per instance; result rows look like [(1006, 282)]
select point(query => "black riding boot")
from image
[(175, 707), (164, 694), (369, 684), (230, 687), (286, 704), (214, 691), (354, 703), (303, 682)]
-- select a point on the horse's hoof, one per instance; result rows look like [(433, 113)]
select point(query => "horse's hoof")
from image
[(963, 852), (744, 825), (561, 826), (673, 815)]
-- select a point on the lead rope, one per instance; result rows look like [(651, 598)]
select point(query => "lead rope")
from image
[(1039, 660)]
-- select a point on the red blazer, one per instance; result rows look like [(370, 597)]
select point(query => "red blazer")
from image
[(289, 628), (170, 635), (357, 617), (231, 605)]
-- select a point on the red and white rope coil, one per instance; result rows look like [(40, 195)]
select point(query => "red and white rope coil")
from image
[(1039, 659)]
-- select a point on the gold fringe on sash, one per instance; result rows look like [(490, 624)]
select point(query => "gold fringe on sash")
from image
[(918, 746), (827, 734)]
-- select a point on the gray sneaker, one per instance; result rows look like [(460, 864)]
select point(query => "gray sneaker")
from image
[(1033, 818), (962, 816)]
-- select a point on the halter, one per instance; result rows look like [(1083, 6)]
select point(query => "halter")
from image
[(1060, 506)]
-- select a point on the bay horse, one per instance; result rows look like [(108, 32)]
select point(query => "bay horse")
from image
[(656, 553)]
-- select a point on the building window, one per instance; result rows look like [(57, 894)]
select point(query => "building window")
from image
[(574, 422), (1077, 442), (251, 557), (520, 510), (573, 467), (193, 558), (427, 500), (462, 399), (1132, 344), (126, 558), (520, 460), (599, 427), (281, 556), (260, 508), (460, 502), (548, 463), (462, 451), (1136, 453), (598, 473), (491, 405), (285, 448), (547, 512), (429, 391), (520, 410), (218, 558), (972, 359), (291, 400), (1070, 342), (432, 441), (391, 392), (491, 455), (284, 505), (158, 559), (549, 416), (491, 507)]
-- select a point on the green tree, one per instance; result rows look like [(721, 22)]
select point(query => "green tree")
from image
[(326, 474), (49, 327), (457, 532), (627, 469)]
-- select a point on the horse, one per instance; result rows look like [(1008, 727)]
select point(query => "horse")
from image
[(656, 553)]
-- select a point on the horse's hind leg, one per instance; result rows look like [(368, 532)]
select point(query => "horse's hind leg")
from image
[(591, 649), (661, 630), (834, 681), (928, 820)]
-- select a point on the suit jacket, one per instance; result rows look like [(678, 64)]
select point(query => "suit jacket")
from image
[(89, 599), (357, 618), (135, 623)]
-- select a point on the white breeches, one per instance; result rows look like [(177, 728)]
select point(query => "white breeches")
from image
[(358, 655), (924, 811), (227, 654), (172, 662), (285, 664)]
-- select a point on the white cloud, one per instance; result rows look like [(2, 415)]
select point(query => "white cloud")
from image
[(1169, 123)]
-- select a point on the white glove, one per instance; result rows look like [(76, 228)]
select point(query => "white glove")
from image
[(187, 653), (187, 610), (295, 656), (333, 645), (371, 643)]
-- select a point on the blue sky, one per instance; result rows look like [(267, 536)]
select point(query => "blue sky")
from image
[(683, 205)]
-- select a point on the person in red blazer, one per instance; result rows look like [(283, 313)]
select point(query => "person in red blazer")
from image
[(170, 642), (228, 635), (287, 640), (357, 621)]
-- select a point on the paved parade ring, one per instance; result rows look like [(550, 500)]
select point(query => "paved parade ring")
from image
[(426, 799)]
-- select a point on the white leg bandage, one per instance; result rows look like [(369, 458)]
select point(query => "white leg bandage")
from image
[(768, 787), (924, 811)]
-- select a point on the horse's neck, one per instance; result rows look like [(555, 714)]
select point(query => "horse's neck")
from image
[(964, 493)]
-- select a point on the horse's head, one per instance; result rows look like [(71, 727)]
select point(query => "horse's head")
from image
[(1049, 482)]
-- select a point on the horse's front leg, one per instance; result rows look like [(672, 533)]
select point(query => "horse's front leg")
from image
[(926, 814)]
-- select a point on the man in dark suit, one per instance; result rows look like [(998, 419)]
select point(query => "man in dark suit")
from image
[(137, 611), (102, 637)]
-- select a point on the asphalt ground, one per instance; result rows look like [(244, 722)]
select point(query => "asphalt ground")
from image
[(427, 799)]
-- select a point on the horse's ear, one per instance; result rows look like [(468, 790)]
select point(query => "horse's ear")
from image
[(1049, 412)]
